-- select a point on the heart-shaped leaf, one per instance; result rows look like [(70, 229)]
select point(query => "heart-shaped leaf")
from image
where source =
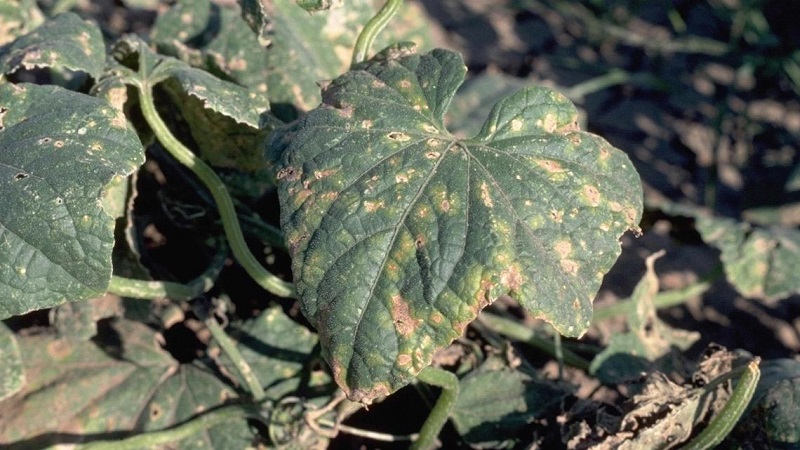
[(401, 233), (58, 150)]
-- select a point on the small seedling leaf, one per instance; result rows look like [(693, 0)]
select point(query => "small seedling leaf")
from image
[(66, 41), (400, 233), (58, 151)]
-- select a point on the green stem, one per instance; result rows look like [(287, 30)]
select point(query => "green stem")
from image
[(150, 290), (372, 28), (227, 212), (729, 415), (230, 349), (519, 332), (441, 410), (178, 432), (662, 300)]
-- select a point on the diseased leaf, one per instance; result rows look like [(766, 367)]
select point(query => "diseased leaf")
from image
[(318, 5), (759, 262), (65, 41), (122, 382), (276, 348), (58, 150), (214, 38), (77, 321), (18, 17), (400, 233), (466, 115), (648, 343), (306, 49), (189, 391), (12, 374), (495, 402), (84, 388)]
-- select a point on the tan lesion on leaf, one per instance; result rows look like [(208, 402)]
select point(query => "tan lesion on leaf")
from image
[(511, 278), (371, 206), (404, 322), (403, 360), (398, 136), (320, 174), (569, 266), (592, 195), (563, 248), (550, 166), (486, 196), (405, 84), (557, 215), (445, 205), (367, 124), (516, 125)]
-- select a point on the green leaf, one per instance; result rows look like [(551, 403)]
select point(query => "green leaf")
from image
[(121, 382), (466, 115), (58, 150), (277, 348), (776, 404), (759, 262), (496, 401), (317, 5), (306, 49), (12, 375), (214, 38), (66, 41), (80, 388), (647, 344), (400, 233), (189, 391), (18, 17)]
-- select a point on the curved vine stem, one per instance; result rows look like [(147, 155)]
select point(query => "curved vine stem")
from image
[(230, 349), (729, 415), (441, 410), (372, 28), (227, 212), (178, 432)]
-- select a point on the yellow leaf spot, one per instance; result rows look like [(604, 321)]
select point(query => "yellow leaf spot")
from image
[(487, 199), (563, 248), (511, 278), (592, 195), (516, 125), (550, 166), (373, 206), (366, 124), (403, 359), (571, 267), (401, 178)]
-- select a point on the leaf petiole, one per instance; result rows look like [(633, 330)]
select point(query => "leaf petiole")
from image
[(372, 28), (441, 410), (206, 174)]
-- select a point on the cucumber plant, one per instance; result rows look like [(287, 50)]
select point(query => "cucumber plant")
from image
[(399, 231)]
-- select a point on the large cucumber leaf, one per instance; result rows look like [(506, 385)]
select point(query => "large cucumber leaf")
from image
[(58, 150), (401, 233)]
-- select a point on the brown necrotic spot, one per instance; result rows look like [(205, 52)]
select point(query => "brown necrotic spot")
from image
[(398, 136), (592, 195), (485, 196), (404, 322), (21, 176)]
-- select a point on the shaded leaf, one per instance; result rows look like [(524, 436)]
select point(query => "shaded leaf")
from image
[(65, 41), (12, 375), (306, 49), (776, 405), (496, 401), (214, 38), (317, 5), (648, 343), (77, 388), (58, 150), (189, 391), (473, 100), (400, 233), (78, 320), (759, 262), (277, 349), (18, 17)]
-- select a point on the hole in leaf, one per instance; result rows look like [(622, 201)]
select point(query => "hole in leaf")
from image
[(20, 176)]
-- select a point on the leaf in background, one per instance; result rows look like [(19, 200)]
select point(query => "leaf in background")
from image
[(648, 343), (77, 321), (214, 38), (496, 401), (318, 5), (277, 348), (306, 49), (225, 119), (65, 41), (187, 392), (776, 405), (58, 151), (400, 233), (18, 17), (12, 374), (77, 388), (759, 262), (473, 100)]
